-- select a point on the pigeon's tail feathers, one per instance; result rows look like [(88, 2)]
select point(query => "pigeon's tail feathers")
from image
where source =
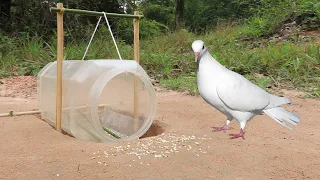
[(280, 115), (276, 101)]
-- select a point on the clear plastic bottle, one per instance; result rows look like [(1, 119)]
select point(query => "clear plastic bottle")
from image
[(102, 100)]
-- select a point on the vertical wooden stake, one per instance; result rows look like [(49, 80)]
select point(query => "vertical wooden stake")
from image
[(136, 79), (59, 67)]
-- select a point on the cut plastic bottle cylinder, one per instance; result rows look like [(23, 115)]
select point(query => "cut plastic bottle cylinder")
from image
[(98, 95)]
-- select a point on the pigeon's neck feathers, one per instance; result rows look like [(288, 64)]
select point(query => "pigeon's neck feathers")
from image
[(206, 59)]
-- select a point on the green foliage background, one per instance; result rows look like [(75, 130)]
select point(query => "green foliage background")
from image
[(247, 36)]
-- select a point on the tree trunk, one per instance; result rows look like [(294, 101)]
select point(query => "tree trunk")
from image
[(179, 14)]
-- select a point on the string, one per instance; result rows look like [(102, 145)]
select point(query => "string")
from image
[(61, 10), (85, 53), (114, 41)]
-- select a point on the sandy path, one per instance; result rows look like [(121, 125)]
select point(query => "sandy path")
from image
[(31, 149)]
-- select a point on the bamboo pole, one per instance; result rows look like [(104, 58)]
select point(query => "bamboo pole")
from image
[(136, 38), (11, 113), (95, 13), (136, 80), (60, 45)]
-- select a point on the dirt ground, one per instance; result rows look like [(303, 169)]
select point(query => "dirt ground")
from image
[(179, 145)]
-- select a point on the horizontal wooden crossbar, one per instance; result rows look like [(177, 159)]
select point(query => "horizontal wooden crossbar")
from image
[(94, 13)]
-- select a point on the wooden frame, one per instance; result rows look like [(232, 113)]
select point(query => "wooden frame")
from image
[(60, 10)]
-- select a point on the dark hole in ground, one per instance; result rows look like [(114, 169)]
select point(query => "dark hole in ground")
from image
[(155, 129)]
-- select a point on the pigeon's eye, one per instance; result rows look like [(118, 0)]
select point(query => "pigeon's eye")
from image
[(202, 47)]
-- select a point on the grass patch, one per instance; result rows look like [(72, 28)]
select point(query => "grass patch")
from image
[(182, 83), (169, 58)]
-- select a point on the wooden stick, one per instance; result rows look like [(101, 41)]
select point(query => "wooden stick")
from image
[(11, 113), (136, 80), (95, 13), (136, 38), (59, 67)]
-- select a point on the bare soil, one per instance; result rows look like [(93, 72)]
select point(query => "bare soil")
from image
[(179, 145)]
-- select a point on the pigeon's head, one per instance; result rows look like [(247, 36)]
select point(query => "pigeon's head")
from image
[(197, 47)]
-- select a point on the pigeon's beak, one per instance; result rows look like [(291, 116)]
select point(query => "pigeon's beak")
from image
[(196, 55)]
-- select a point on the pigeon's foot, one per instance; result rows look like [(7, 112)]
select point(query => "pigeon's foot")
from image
[(234, 136), (223, 128)]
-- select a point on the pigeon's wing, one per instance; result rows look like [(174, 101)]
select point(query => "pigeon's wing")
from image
[(240, 94)]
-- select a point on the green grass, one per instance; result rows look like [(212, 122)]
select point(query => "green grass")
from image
[(181, 83), (169, 58)]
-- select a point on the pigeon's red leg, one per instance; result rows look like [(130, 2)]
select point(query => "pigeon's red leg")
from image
[(234, 136), (223, 128)]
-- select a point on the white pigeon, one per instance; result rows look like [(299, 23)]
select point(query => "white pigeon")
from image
[(234, 95)]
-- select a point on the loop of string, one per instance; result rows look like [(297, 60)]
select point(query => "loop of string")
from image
[(85, 53), (61, 10), (114, 41)]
